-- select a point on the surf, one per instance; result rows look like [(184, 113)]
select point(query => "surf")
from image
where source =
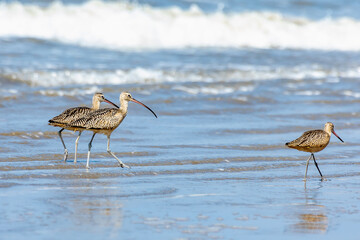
[(124, 25)]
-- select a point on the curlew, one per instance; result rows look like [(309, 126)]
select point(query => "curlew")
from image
[(314, 141), (105, 121), (73, 114)]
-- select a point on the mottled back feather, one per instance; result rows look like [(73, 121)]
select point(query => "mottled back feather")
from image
[(105, 119), (311, 141), (70, 115)]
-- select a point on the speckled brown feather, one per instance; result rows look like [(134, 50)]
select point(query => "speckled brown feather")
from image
[(311, 141), (102, 119), (70, 115)]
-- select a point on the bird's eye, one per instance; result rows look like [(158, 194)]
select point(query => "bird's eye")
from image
[(129, 95)]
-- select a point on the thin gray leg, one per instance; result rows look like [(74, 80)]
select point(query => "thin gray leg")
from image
[(65, 149), (322, 178), (76, 145), (307, 165), (88, 158), (112, 154)]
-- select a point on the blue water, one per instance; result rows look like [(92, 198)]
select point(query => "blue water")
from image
[(231, 82)]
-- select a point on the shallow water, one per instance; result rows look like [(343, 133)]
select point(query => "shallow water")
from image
[(214, 164)]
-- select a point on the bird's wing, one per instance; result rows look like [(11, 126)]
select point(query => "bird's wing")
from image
[(71, 114), (99, 119), (310, 138)]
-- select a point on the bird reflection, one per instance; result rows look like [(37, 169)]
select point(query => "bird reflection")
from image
[(312, 222), (97, 206), (311, 217)]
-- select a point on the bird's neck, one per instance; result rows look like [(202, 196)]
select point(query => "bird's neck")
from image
[(327, 129), (124, 107), (95, 104)]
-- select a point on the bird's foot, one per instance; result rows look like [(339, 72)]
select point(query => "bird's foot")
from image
[(323, 179), (124, 165), (65, 155)]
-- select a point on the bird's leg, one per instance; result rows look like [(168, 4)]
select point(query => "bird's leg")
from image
[(307, 165), (76, 145), (112, 154), (88, 158), (65, 149), (322, 178)]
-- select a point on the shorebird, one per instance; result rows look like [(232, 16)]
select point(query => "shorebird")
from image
[(105, 121), (73, 114), (314, 141)]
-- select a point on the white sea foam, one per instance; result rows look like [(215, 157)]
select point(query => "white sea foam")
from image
[(351, 93), (157, 76), (213, 90), (73, 92), (68, 77), (308, 93), (5, 93), (123, 25)]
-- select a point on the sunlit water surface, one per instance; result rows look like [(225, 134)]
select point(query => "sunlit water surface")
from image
[(214, 164)]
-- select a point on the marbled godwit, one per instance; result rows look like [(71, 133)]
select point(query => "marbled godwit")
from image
[(73, 114), (314, 141), (105, 121)]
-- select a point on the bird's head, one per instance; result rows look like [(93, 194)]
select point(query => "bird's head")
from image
[(329, 128), (125, 96)]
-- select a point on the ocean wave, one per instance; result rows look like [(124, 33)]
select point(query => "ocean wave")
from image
[(58, 78), (124, 25), (214, 90), (72, 92), (351, 93)]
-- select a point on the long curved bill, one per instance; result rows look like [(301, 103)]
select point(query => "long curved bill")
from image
[(110, 102), (134, 100), (337, 136)]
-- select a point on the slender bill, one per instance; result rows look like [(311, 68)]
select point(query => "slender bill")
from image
[(134, 100), (111, 103), (337, 136)]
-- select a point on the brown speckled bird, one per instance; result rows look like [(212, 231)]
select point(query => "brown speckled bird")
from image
[(105, 121), (72, 114), (314, 141)]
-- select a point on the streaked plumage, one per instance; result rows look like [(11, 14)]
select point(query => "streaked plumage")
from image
[(313, 141), (105, 121), (72, 114)]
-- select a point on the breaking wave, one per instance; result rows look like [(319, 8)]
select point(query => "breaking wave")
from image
[(145, 76), (123, 25)]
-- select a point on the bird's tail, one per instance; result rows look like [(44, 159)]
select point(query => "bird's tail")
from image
[(56, 124)]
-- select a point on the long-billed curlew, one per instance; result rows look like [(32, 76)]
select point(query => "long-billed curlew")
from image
[(314, 141), (73, 114), (105, 121)]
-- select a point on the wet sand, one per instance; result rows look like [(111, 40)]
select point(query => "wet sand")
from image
[(212, 166), (209, 199), (219, 173)]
